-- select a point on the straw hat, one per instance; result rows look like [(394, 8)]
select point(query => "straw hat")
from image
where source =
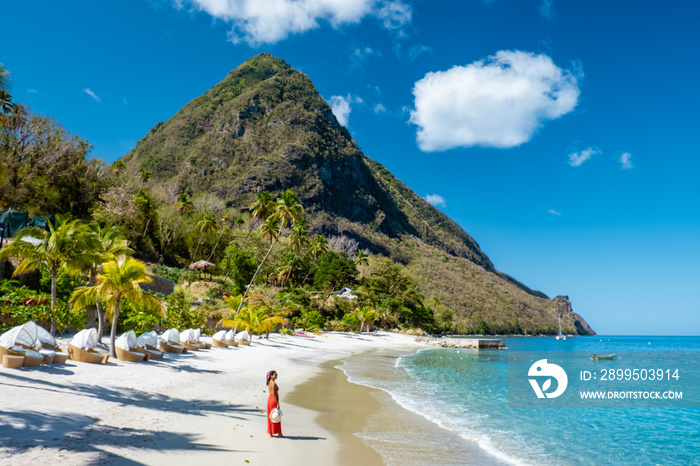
[(276, 415)]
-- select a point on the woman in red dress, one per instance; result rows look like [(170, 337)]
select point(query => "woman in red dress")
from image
[(273, 401)]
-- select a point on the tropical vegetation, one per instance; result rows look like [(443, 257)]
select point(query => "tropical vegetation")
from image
[(256, 177)]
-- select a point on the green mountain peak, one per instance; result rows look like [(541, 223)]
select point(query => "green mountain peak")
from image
[(265, 127)]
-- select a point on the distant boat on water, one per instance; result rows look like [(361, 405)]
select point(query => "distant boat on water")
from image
[(608, 357), (560, 336)]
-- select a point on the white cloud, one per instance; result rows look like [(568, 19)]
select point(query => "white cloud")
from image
[(626, 161), (92, 94), (547, 9), (577, 158), (32, 91), (342, 106), (435, 200), (498, 102), (379, 108), (268, 21), (553, 212)]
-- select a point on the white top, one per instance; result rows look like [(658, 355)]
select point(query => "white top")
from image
[(220, 335), (25, 334), (85, 339)]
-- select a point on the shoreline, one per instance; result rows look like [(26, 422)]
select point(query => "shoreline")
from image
[(376, 421), (203, 405)]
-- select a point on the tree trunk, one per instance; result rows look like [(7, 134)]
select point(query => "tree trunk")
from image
[(54, 325), (113, 334), (245, 294), (100, 321)]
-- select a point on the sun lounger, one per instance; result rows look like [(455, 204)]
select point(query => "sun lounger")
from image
[(126, 349), (190, 346), (219, 339), (171, 347), (91, 356), (129, 356)]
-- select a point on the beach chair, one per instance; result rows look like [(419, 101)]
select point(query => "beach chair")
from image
[(19, 341), (46, 341), (169, 342), (187, 340), (231, 338), (125, 348), (148, 343), (81, 348), (243, 338), (219, 339), (197, 338)]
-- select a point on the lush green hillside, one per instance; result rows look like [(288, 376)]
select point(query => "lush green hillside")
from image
[(265, 127)]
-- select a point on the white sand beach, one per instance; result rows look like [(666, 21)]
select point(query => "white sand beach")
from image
[(206, 405)]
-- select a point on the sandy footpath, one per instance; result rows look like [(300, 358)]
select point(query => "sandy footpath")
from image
[(204, 405)]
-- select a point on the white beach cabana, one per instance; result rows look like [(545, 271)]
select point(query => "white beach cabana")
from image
[(24, 335), (81, 347), (231, 338), (169, 342), (18, 341), (148, 342), (126, 348), (219, 339)]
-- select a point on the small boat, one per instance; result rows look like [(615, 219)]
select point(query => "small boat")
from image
[(608, 357), (560, 336)]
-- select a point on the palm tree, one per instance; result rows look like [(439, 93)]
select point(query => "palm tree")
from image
[(68, 246), (117, 281), (223, 227), (263, 206), (367, 316), (287, 212), (184, 204), (361, 258), (318, 246), (206, 227), (145, 175), (119, 167), (111, 245), (255, 319)]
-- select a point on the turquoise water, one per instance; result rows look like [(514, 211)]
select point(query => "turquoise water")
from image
[(466, 392)]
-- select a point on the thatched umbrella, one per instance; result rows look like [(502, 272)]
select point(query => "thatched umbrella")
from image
[(202, 265)]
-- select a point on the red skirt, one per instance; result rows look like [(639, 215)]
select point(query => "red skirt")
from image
[(272, 427)]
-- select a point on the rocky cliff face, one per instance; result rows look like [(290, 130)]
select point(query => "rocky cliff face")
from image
[(265, 127)]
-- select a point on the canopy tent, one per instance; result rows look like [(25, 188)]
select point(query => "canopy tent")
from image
[(43, 336), (171, 336), (221, 335), (149, 338), (25, 334), (126, 341), (85, 339)]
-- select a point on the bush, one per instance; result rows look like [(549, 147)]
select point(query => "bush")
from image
[(351, 321), (181, 315), (312, 320)]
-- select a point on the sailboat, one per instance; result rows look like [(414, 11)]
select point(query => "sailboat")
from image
[(560, 336)]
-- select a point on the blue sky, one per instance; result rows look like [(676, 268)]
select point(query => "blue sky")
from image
[(561, 135)]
